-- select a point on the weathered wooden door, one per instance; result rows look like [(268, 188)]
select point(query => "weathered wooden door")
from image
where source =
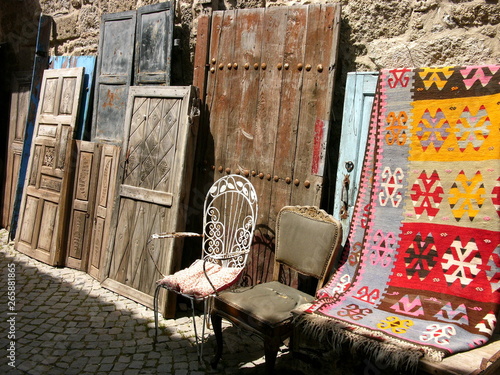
[(43, 214), (81, 211), (105, 197), (113, 75), (40, 63), (93, 195), (145, 34), (268, 98), (269, 95), (157, 163), (17, 125), (359, 94), (155, 27)]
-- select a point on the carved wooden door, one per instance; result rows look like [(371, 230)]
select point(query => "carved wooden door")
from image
[(103, 207), (86, 172), (44, 211), (93, 196), (157, 159), (17, 125)]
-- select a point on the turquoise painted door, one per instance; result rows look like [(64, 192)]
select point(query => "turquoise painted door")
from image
[(360, 91)]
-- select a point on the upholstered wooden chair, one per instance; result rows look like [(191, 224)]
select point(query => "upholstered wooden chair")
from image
[(230, 213), (307, 240)]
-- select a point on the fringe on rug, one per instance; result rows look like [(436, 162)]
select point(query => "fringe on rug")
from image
[(378, 347)]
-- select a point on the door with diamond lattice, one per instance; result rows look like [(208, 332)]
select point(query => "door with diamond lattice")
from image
[(155, 177)]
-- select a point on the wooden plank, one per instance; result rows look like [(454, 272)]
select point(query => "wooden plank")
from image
[(223, 24), (105, 196), (154, 31), (317, 93), (113, 76), (49, 174), (82, 130), (17, 124), (359, 95), (146, 195), (465, 363), (155, 157), (201, 56), (288, 112), (39, 65), (83, 203)]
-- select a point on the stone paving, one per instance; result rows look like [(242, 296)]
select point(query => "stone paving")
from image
[(62, 321)]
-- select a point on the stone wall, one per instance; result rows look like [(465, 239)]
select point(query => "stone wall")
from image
[(374, 33)]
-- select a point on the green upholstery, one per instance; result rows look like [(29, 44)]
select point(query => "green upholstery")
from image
[(268, 304), (304, 243)]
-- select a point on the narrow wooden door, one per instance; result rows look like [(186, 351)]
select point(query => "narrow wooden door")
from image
[(40, 63), (359, 94), (155, 27), (44, 210), (105, 197), (113, 75), (82, 204), (17, 125), (157, 163)]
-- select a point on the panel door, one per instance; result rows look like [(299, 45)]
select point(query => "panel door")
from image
[(157, 159), (155, 26), (359, 95), (88, 62), (44, 210), (113, 75), (82, 204), (17, 125), (101, 220)]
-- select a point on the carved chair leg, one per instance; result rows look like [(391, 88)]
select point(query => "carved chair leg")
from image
[(217, 327)]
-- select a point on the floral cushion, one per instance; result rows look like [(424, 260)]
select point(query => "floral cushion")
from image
[(192, 281)]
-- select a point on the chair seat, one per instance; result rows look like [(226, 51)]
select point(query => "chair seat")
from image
[(192, 281), (266, 306)]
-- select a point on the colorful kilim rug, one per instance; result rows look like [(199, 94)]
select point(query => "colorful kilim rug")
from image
[(421, 274)]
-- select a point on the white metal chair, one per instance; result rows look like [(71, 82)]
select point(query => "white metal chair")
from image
[(229, 216)]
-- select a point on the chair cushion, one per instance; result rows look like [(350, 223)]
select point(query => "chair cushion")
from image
[(192, 281), (270, 303)]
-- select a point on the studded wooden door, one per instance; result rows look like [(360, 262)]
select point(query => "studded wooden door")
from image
[(157, 168), (269, 93), (17, 125), (44, 210), (268, 98)]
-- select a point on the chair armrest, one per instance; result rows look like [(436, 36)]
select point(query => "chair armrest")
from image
[(175, 235)]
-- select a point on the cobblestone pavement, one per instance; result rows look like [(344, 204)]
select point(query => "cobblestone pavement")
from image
[(64, 322)]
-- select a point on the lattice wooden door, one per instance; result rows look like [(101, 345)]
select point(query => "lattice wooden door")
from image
[(44, 210), (157, 162)]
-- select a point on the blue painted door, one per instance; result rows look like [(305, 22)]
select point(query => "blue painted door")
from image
[(359, 94)]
